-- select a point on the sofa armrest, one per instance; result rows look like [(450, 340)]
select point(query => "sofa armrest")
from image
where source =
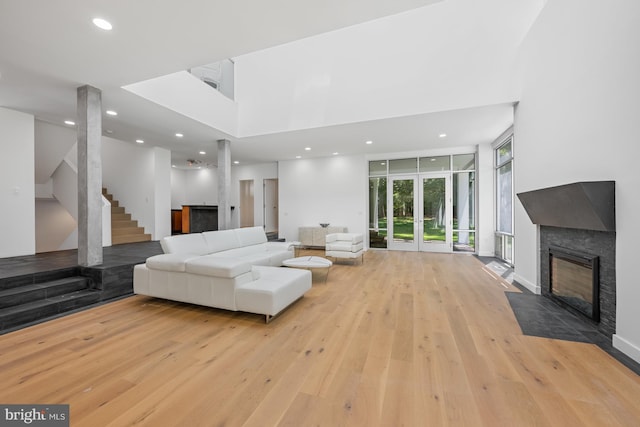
[(332, 237)]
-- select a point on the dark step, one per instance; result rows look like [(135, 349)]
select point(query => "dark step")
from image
[(29, 293), (31, 312), (46, 275)]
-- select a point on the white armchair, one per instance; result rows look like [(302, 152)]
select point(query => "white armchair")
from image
[(344, 245)]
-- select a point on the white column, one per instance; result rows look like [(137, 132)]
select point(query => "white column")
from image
[(89, 110)]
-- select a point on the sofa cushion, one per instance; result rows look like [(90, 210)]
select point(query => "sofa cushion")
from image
[(220, 240), (185, 244), (169, 262), (217, 266), (250, 236)]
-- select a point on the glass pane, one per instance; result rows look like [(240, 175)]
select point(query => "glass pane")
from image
[(504, 153), (464, 201), (464, 241), (403, 210), (434, 164), (378, 212), (434, 225), (505, 199), (464, 162), (403, 165), (377, 168)]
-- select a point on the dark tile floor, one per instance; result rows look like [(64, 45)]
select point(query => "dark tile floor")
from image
[(542, 317), (117, 255)]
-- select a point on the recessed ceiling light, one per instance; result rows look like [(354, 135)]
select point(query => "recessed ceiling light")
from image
[(103, 24), (382, 163), (139, 141), (369, 142), (443, 135), (69, 122), (203, 152), (109, 131), (235, 162), (307, 148), (173, 166), (179, 135), (335, 154), (432, 159), (298, 157), (112, 113)]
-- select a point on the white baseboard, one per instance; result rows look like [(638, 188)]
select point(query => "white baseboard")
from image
[(625, 346), (527, 284)]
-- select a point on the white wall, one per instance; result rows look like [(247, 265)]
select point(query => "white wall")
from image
[(201, 186), (52, 143), (17, 184), (139, 178), (485, 226), (257, 173), (332, 190), (178, 188), (161, 193), (390, 67), (188, 95), (55, 227), (578, 121)]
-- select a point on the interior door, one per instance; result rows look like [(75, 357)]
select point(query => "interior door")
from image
[(403, 226), (270, 205), (435, 217)]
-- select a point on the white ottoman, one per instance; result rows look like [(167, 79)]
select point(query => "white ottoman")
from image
[(273, 291)]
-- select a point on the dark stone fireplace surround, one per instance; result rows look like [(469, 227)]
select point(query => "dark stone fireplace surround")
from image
[(598, 243), (579, 217)]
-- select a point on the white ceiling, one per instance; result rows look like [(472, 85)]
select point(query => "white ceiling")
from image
[(50, 48)]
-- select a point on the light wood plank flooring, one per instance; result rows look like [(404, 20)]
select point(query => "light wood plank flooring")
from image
[(407, 339)]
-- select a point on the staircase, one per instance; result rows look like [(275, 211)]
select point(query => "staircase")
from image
[(30, 299), (123, 228)]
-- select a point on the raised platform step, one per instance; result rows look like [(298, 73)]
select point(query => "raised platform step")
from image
[(29, 293), (19, 315), (130, 238)]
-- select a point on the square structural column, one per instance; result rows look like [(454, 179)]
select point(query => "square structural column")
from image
[(89, 106), (224, 184)]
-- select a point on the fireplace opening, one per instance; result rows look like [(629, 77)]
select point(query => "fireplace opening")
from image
[(574, 280)]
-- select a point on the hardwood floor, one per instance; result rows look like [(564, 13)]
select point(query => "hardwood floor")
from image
[(407, 339)]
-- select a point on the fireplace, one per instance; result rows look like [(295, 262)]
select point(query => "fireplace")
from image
[(574, 280), (577, 247)]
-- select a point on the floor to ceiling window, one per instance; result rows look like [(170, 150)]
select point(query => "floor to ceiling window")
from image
[(423, 204), (504, 240), (378, 204)]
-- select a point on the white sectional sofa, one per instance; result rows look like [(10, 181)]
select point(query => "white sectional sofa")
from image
[(230, 269)]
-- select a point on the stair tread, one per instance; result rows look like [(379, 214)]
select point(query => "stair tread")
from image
[(43, 285), (7, 311)]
